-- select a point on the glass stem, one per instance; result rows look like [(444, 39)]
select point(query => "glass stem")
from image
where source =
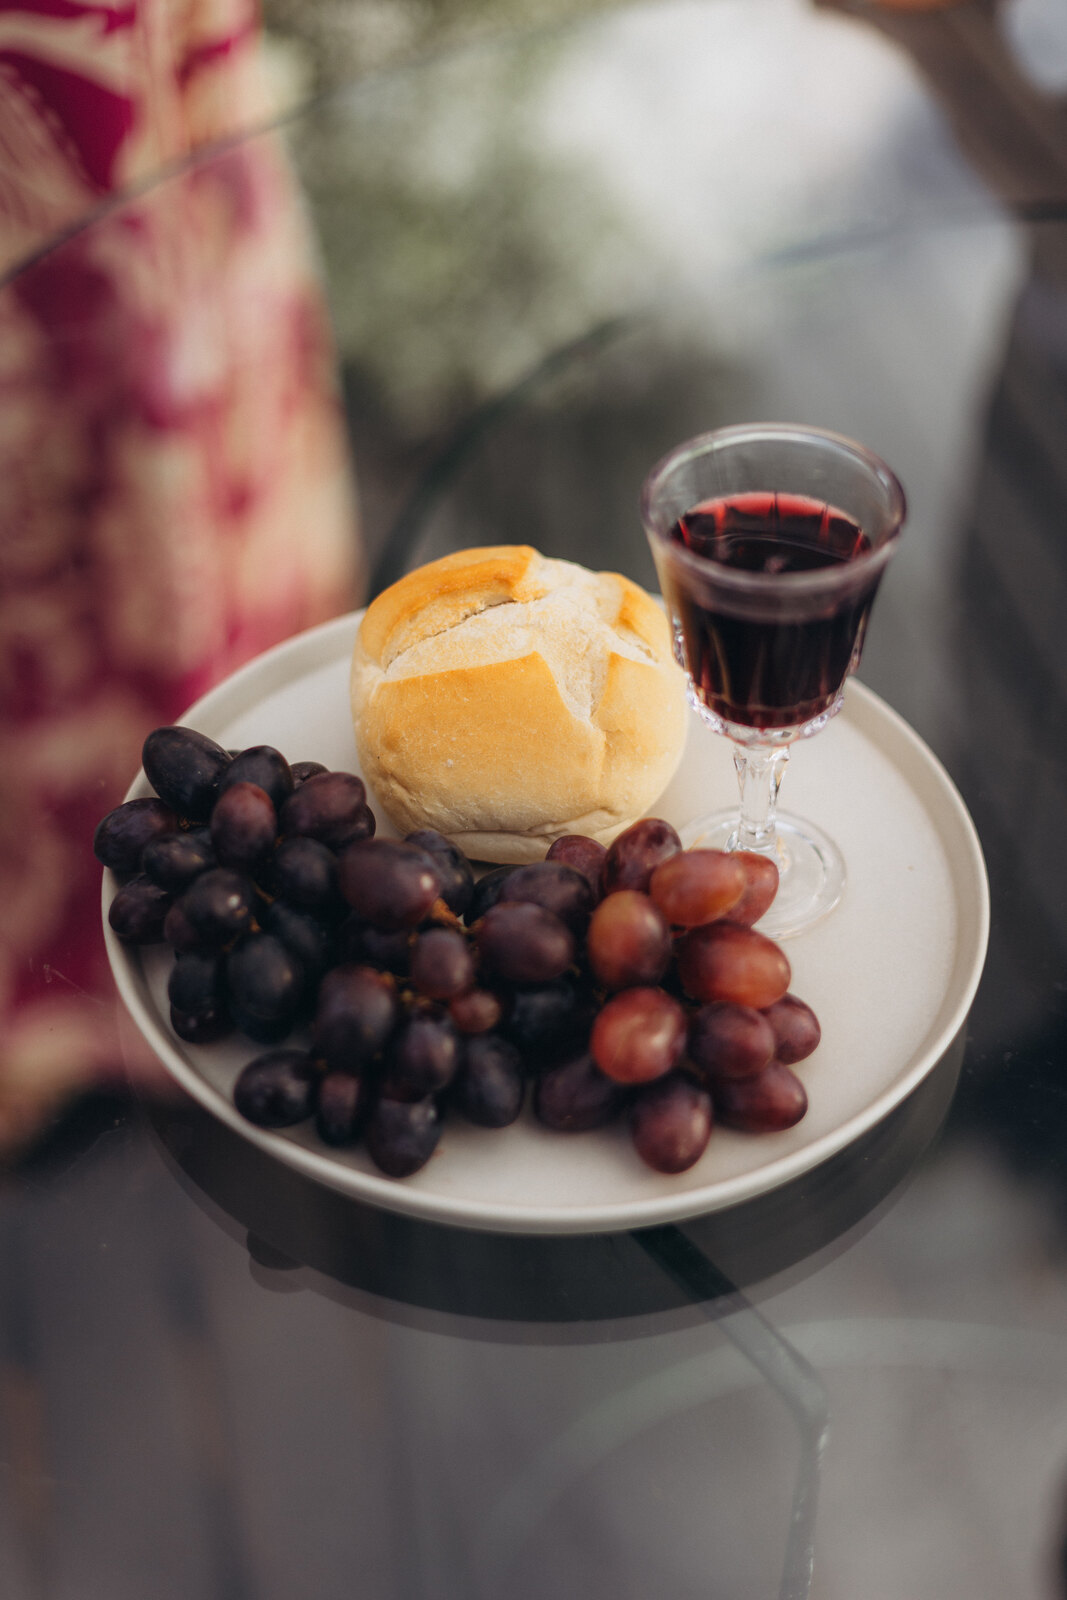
[(760, 769)]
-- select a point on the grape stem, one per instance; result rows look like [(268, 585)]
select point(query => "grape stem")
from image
[(760, 769), (783, 1367)]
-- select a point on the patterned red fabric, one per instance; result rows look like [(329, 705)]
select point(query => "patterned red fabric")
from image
[(174, 490)]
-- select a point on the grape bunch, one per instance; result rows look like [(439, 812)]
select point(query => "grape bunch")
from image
[(394, 988)]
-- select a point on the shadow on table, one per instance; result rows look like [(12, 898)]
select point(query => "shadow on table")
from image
[(292, 1222)]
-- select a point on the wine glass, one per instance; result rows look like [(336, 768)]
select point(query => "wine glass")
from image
[(770, 542)]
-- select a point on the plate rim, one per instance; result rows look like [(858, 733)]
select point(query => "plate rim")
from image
[(862, 707)]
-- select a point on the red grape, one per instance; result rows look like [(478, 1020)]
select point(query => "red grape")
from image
[(770, 1101), (639, 1035), (671, 1123), (637, 852), (628, 941), (585, 855), (697, 886), (730, 1041), (795, 1027), (724, 962), (761, 886)]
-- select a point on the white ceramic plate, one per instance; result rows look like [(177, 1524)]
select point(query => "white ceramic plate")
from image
[(891, 973)]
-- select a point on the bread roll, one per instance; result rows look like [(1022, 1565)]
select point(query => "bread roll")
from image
[(505, 699)]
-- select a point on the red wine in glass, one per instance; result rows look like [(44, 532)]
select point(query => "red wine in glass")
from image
[(767, 663)]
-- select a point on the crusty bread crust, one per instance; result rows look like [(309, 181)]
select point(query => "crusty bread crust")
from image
[(505, 699)]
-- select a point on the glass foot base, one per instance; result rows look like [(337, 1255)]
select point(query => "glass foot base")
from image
[(811, 869)]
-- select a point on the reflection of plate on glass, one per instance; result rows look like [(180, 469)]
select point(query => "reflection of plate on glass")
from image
[(891, 974)]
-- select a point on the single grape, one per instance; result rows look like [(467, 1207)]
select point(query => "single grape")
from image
[(453, 869), (639, 1035), (303, 872), (422, 1059), (277, 1090), (356, 1013), (330, 807), (205, 1027), (761, 886), (366, 946), (628, 941), (217, 907), (487, 892), (730, 1041), (402, 1135), (244, 825), (340, 1107), (139, 910), (637, 852), (390, 884), (583, 854), (490, 1086), (263, 766), (175, 859), (523, 943), (441, 964), (725, 962), (769, 1102), (196, 983), (697, 886), (576, 1096), (550, 1021), (795, 1027), (670, 1123), (265, 987), (477, 1011), (311, 940), (301, 771), (122, 837), (560, 889), (185, 769)]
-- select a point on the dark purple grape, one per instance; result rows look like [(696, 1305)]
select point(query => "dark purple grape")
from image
[(550, 1021), (244, 826), (795, 1027), (441, 964), (330, 807), (196, 984), (576, 1096), (389, 884), (312, 941), (360, 943), (772, 1100), (139, 910), (637, 852), (176, 859), (265, 987), (423, 1057), (583, 854), (303, 872), (122, 837), (477, 1011), (486, 893), (490, 1084), (524, 943), (453, 868), (558, 888), (301, 771), (341, 1106), (264, 766), (728, 1041), (185, 769), (402, 1135), (671, 1123), (277, 1089), (204, 1027), (217, 907), (356, 1013)]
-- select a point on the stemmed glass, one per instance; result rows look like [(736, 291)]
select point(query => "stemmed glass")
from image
[(770, 542)]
